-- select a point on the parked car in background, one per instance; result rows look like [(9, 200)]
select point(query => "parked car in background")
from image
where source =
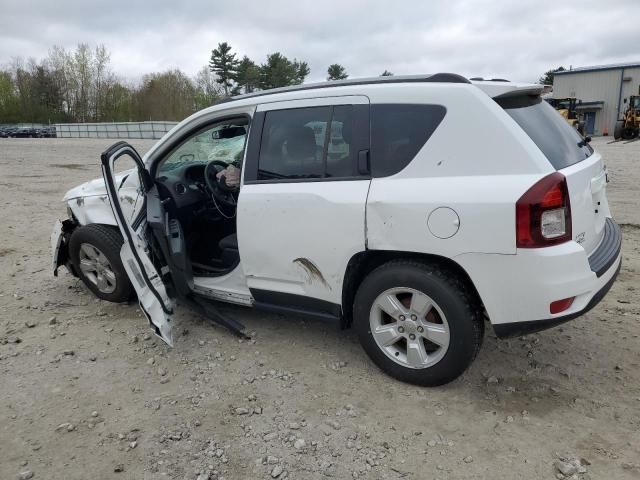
[(24, 132), (47, 132), (28, 132), (358, 203)]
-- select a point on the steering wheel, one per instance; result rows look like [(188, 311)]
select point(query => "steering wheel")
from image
[(218, 187)]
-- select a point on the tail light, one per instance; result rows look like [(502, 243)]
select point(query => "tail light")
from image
[(543, 214)]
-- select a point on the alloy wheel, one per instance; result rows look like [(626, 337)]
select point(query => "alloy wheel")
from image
[(96, 267), (409, 327)]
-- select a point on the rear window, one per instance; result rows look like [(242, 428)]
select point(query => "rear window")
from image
[(398, 132), (560, 142)]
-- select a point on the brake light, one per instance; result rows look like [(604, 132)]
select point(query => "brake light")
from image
[(543, 213)]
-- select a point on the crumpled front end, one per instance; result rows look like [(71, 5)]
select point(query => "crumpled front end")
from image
[(86, 204), (60, 237)]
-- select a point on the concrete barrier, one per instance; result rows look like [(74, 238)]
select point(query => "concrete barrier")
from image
[(145, 130)]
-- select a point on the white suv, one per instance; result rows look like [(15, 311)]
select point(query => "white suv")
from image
[(409, 207)]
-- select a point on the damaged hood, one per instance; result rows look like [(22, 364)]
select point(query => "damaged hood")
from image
[(94, 187)]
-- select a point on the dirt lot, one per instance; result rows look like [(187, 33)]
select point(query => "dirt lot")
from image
[(87, 392)]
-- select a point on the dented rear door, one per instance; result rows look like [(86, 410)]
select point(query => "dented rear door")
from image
[(301, 210)]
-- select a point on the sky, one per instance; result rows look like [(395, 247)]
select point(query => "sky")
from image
[(514, 39)]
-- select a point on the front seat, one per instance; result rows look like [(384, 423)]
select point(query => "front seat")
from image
[(229, 256)]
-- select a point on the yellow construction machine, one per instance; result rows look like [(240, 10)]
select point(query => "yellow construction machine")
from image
[(567, 108), (629, 126)]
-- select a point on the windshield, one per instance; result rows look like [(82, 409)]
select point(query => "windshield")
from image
[(635, 102), (561, 144), (223, 142)]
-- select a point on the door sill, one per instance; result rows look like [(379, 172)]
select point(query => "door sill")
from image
[(223, 296), (291, 304)]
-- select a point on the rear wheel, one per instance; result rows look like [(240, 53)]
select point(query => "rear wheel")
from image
[(617, 130), (417, 322), (95, 254)]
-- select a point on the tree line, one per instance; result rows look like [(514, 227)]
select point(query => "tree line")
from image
[(80, 86)]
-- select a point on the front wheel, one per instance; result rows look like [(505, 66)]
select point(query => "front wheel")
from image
[(629, 133), (419, 323), (95, 254)]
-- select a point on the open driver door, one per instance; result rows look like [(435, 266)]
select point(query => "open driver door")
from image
[(145, 278)]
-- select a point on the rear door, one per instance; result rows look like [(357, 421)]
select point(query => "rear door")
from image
[(571, 155), (135, 253), (301, 210)]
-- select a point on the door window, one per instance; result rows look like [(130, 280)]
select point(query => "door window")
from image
[(306, 143)]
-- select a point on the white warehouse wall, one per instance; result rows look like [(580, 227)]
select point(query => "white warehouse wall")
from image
[(599, 85)]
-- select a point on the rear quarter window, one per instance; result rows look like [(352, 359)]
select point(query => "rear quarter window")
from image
[(559, 142), (398, 132)]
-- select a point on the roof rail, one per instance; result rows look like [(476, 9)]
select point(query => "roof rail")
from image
[(433, 78)]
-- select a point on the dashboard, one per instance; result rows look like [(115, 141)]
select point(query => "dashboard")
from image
[(184, 184)]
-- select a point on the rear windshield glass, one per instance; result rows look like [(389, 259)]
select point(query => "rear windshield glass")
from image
[(560, 142)]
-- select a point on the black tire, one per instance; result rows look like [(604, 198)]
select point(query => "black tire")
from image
[(453, 296), (617, 130), (629, 133), (109, 241)]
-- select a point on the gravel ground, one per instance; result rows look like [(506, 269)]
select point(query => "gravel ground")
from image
[(87, 392)]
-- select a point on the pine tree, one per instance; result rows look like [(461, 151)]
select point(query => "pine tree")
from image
[(336, 72), (547, 78), (224, 64), (302, 70), (247, 76), (279, 71)]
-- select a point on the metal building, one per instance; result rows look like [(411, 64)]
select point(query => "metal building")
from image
[(602, 89)]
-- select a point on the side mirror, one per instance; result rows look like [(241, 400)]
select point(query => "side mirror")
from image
[(587, 139)]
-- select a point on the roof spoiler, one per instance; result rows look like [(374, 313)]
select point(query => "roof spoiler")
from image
[(518, 90)]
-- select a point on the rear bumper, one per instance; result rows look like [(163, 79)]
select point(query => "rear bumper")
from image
[(514, 329), (517, 290), (607, 252)]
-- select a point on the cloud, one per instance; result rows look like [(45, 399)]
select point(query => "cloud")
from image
[(517, 39)]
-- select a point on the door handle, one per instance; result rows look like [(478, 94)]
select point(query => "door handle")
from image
[(363, 162)]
